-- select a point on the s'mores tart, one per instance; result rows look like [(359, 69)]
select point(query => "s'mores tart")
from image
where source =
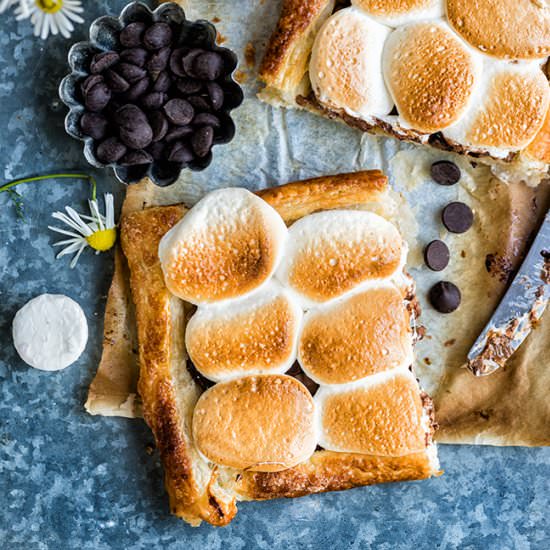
[(451, 74), (295, 376)]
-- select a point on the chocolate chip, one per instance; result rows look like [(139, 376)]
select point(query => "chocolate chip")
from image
[(138, 137), (162, 82), (176, 65), (208, 66), (179, 152), (159, 60), (216, 95), (444, 297), (156, 150), (457, 217), (445, 172), (131, 73), (206, 119), (116, 82), (179, 111), (94, 125), (188, 61), (436, 255), (97, 97), (130, 36), (199, 103), (178, 132), (129, 116), (102, 61), (110, 150), (90, 82), (134, 56), (133, 158), (157, 36), (138, 89), (154, 100), (201, 141), (189, 86), (159, 125)]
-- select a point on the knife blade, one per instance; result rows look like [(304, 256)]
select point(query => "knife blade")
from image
[(518, 311)]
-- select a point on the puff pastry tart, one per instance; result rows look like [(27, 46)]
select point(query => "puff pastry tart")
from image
[(276, 344), (461, 75)]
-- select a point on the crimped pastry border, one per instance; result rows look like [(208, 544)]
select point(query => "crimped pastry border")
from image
[(197, 491), (284, 71)]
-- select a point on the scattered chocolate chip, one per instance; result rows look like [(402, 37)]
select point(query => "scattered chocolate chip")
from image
[(188, 61), (162, 82), (208, 66), (445, 297), (189, 86), (94, 125), (154, 100), (138, 89), (116, 82), (158, 124), (102, 61), (445, 172), (138, 137), (179, 152), (159, 60), (129, 116), (97, 97), (134, 56), (206, 119), (157, 36), (176, 65), (201, 140), (131, 73), (178, 132), (90, 82), (216, 95), (179, 111), (457, 217), (111, 150), (133, 158), (199, 103), (130, 36), (156, 150), (436, 255)]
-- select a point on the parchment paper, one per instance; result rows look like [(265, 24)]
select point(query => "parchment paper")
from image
[(275, 146)]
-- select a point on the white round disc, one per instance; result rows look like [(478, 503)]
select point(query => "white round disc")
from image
[(50, 332)]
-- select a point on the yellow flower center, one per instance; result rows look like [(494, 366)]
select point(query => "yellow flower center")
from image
[(102, 240), (49, 6)]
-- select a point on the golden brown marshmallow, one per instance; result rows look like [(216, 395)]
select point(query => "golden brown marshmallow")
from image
[(401, 12), (228, 245), (384, 417), (255, 335), (516, 29), (261, 423), (362, 335), (431, 75)]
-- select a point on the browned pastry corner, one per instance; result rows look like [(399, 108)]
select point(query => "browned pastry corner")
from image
[(198, 489)]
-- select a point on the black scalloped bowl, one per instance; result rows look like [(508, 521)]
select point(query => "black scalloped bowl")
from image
[(104, 37)]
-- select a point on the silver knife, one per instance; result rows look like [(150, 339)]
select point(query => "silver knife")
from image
[(518, 311)]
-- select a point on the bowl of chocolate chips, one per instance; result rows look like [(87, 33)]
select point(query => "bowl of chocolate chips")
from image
[(150, 93)]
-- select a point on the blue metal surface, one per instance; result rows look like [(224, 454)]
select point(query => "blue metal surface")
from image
[(68, 480)]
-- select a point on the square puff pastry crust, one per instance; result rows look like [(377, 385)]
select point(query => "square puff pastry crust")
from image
[(200, 490), (458, 82)]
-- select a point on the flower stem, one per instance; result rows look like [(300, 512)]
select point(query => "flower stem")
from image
[(11, 184)]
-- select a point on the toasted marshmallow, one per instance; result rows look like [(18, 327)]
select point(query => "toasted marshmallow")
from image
[(395, 13), (330, 254), (516, 29), (383, 415), (261, 423), (365, 334), (346, 64), (431, 74), (255, 335), (228, 245), (508, 109)]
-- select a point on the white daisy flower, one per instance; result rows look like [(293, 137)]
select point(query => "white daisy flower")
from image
[(97, 231), (23, 11), (55, 16)]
